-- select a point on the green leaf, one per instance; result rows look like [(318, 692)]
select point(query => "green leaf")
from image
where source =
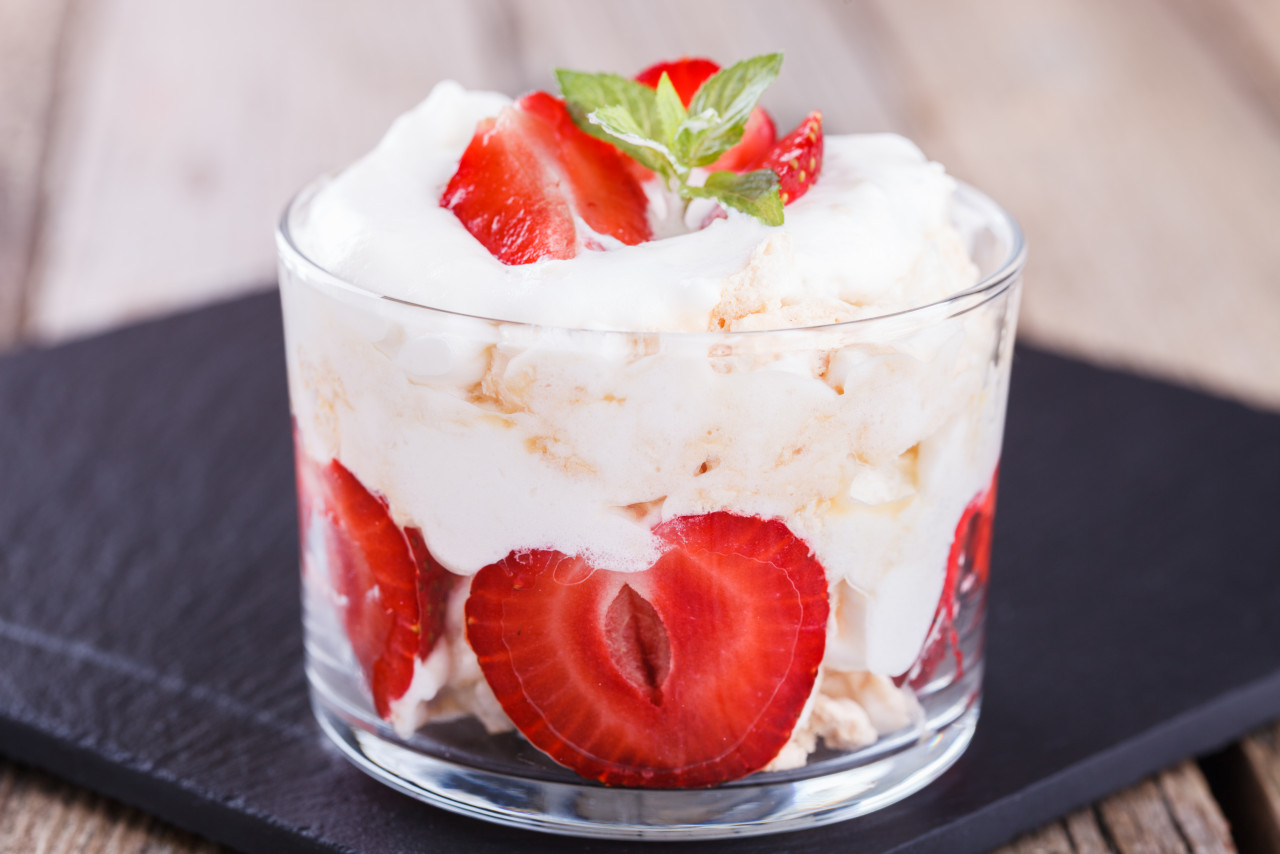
[(624, 131), (654, 128), (733, 92), (670, 109), (585, 93), (754, 193), (633, 123), (723, 104)]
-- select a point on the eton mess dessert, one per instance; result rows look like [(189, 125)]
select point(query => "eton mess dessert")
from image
[(633, 430)]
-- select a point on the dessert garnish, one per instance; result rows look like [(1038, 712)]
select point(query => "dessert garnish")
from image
[(549, 177), (686, 75), (529, 175), (687, 674)]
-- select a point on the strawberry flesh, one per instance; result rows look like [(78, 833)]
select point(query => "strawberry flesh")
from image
[(758, 140), (797, 158), (687, 674), (529, 171), (968, 566), (393, 591), (687, 75)]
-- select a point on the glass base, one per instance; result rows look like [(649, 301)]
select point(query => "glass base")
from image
[(760, 804)]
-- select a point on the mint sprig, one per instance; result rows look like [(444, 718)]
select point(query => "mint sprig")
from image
[(654, 128)]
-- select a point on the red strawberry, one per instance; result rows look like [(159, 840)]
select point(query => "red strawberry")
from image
[(528, 171), (757, 139), (968, 565), (980, 533), (690, 673), (435, 583), (797, 158), (393, 591), (687, 75)]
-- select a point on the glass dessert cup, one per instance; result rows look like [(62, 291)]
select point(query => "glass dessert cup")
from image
[(549, 574)]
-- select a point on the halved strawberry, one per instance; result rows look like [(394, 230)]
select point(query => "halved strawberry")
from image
[(758, 139), (980, 533), (525, 175), (797, 158), (393, 591), (434, 584), (687, 75), (690, 673), (968, 566)]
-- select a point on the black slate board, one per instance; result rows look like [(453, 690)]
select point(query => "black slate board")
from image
[(149, 628)]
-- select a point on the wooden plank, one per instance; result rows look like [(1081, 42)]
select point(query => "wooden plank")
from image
[(1244, 37), (1260, 780), (1147, 180), (167, 186), (1138, 822), (1086, 834), (187, 125), (1174, 813), (29, 39), (39, 815), (1194, 810)]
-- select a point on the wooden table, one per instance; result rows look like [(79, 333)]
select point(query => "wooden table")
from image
[(146, 147)]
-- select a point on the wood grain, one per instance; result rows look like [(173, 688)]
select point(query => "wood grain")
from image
[(1190, 803), (1173, 813), (146, 147), (1086, 835), (29, 40), (188, 125), (39, 815), (1261, 785), (1147, 181)]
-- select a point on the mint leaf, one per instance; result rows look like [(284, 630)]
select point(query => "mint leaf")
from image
[(622, 129), (702, 139), (754, 193), (722, 106), (586, 93), (653, 127), (670, 109), (733, 92)]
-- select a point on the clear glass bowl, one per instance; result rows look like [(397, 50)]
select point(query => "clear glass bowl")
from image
[(626, 584)]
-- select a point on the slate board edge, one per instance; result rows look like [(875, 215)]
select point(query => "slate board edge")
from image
[(123, 776), (1192, 734), (170, 800)]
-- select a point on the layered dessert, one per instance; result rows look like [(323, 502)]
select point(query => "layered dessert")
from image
[(633, 430)]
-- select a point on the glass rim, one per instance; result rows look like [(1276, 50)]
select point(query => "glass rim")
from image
[(986, 288)]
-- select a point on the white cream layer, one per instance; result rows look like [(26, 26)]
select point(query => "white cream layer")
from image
[(867, 442)]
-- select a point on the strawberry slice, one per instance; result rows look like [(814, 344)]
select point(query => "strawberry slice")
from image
[(687, 75), (980, 533), (529, 171), (797, 158), (434, 584), (393, 591), (688, 674), (758, 139), (968, 566)]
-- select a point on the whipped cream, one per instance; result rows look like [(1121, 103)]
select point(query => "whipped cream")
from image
[(868, 441), (379, 225)]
